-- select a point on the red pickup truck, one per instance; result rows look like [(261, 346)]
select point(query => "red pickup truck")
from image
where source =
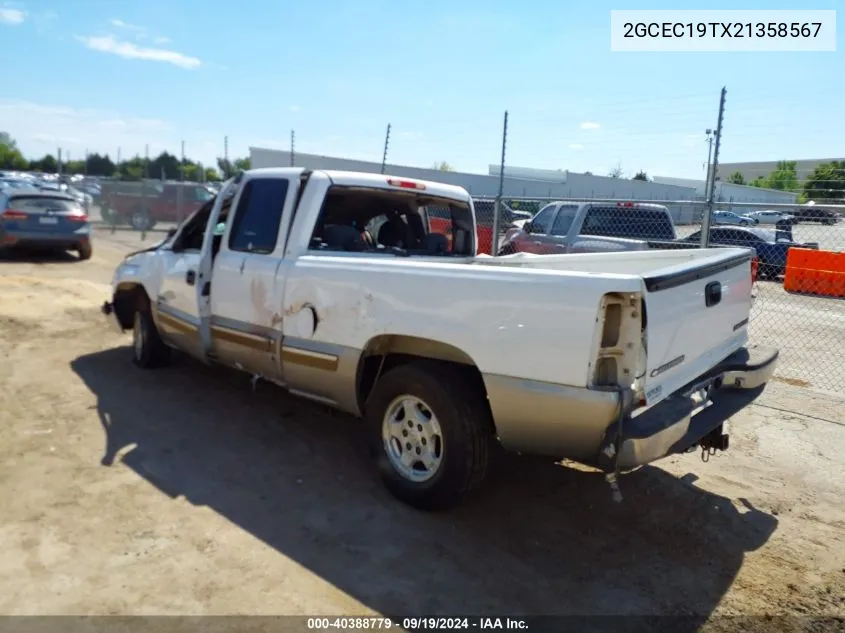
[(141, 205), (441, 222)]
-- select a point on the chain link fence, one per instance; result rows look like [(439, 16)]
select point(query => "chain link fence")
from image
[(148, 205), (800, 262), (800, 249)]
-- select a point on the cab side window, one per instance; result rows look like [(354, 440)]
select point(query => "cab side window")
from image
[(255, 228), (542, 221)]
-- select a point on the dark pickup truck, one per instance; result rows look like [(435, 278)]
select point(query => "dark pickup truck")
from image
[(771, 245)]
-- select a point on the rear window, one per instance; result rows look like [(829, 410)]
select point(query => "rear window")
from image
[(632, 223), (42, 204), (388, 222)]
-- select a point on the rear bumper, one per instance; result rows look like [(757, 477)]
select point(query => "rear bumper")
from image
[(46, 240), (693, 416)]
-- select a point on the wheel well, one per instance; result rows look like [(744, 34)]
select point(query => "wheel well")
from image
[(387, 351), (129, 299)]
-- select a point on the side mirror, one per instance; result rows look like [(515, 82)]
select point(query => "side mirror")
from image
[(527, 227)]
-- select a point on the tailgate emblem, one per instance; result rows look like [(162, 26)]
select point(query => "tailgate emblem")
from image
[(672, 363)]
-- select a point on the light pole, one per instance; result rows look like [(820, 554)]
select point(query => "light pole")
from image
[(709, 133)]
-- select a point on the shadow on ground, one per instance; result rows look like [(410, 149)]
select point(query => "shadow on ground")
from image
[(540, 539), (36, 256)]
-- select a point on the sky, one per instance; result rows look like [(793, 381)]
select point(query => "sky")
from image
[(100, 75)]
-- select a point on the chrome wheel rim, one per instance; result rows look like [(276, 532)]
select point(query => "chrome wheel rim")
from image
[(138, 337), (413, 439), (138, 220)]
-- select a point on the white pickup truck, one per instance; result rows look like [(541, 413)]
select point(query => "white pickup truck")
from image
[(332, 285)]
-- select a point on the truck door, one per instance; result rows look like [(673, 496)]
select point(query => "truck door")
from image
[(176, 307), (245, 303)]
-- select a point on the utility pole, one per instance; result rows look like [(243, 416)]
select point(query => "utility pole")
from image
[(494, 247), (226, 157), (85, 166), (292, 148), (386, 143), (59, 162), (708, 214), (182, 164), (709, 133)]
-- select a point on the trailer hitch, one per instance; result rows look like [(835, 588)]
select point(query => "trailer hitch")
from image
[(715, 441)]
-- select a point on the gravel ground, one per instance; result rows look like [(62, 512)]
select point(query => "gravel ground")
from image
[(182, 491)]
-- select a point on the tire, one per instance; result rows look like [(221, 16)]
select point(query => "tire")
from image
[(767, 271), (84, 251), (148, 350), (507, 249), (462, 433), (140, 220), (107, 215)]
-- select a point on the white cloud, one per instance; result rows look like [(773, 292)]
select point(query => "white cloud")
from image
[(126, 26), (576, 146), (11, 16), (589, 125), (41, 129), (128, 50), (140, 32)]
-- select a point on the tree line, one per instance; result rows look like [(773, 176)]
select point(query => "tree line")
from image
[(165, 165), (826, 182)]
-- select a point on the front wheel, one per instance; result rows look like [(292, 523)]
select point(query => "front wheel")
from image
[(768, 271), (507, 249), (149, 351), (430, 431)]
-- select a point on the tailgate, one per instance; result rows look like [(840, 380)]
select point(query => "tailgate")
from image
[(696, 315)]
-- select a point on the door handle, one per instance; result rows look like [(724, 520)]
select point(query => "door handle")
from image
[(713, 293), (191, 277)]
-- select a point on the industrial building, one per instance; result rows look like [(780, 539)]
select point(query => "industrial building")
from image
[(525, 182), (564, 185), (729, 192)]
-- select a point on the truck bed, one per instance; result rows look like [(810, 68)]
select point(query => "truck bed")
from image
[(648, 262)]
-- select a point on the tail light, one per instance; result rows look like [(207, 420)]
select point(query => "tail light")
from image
[(755, 265), (12, 214), (405, 184), (627, 205), (78, 216)]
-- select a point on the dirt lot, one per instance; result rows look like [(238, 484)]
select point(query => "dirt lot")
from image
[(183, 491)]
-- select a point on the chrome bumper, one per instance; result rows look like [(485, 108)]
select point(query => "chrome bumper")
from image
[(694, 415)]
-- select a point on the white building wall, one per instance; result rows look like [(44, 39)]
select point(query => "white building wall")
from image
[(729, 192)]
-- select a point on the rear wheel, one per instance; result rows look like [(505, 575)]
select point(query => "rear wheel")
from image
[(84, 251), (431, 432), (140, 220), (149, 351)]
